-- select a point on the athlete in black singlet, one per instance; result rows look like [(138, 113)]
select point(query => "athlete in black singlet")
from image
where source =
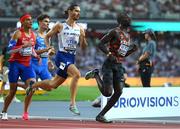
[(119, 46)]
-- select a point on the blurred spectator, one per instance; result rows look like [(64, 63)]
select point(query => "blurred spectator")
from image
[(169, 9)]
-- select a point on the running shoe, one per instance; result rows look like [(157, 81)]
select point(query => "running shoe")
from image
[(74, 109), (4, 116), (91, 74), (16, 100), (97, 102), (25, 116), (102, 119)]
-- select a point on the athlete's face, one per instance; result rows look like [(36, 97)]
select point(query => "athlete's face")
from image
[(44, 23), (28, 23), (75, 13)]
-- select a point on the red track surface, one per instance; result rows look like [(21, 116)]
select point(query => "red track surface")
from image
[(68, 124)]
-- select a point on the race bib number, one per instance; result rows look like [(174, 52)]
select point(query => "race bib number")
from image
[(44, 54), (70, 47), (70, 44), (26, 51), (123, 49)]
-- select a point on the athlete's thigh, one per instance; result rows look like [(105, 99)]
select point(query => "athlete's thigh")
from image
[(14, 72), (107, 74), (57, 81), (63, 61), (36, 69), (73, 70), (118, 76), (27, 72), (44, 73)]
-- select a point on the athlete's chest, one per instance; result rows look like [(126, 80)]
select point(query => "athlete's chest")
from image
[(120, 43), (40, 41), (27, 39), (71, 33), (119, 39)]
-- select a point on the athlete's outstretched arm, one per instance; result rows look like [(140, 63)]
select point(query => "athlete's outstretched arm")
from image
[(56, 29), (83, 42)]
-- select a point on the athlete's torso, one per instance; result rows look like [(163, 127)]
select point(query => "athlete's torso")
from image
[(24, 56), (68, 38), (39, 46), (119, 45)]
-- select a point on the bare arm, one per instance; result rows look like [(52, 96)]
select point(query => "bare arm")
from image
[(56, 29), (43, 50), (83, 42), (12, 48), (106, 39)]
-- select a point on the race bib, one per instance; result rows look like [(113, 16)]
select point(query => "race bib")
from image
[(44, 54), (26, 51), (70, 44), (123, 49)]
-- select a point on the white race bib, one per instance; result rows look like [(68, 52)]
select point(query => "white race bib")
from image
[(44, 54), (123, 49), (70, 44), (26, 51)]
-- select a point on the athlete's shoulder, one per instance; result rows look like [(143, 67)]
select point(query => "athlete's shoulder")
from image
[(112, 31), (80, 26), (58, 25), (82, 30), (16, 34)]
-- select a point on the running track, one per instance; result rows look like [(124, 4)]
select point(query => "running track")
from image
[(77, 124)]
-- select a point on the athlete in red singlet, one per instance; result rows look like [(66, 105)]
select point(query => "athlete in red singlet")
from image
[(21, 49)]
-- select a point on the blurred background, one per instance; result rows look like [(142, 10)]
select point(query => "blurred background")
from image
[(100, 16)]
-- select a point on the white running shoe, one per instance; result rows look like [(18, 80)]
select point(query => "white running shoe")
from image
[(4, 116), (1, 100), (16, 100)]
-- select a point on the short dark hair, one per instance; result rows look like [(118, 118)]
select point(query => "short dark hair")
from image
[(71, 7), (42, 17), (124, 19)]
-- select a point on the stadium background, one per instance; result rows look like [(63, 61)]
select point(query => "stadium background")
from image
[(100, 16)]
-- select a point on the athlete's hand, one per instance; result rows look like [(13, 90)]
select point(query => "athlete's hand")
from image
[(50, 65), (51, 51), (48, 48), (39, 59)]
